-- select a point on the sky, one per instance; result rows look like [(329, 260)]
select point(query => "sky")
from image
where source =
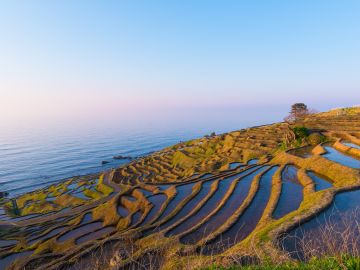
[(144, 62)]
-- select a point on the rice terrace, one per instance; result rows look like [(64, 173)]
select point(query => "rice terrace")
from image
[(280, 195)]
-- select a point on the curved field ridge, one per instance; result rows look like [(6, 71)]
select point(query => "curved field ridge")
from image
[(216, 199)]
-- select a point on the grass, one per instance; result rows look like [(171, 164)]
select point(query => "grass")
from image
[(92, 194), (107, 212), (103, 188), (330, 263), (67, 200), (39, 207)]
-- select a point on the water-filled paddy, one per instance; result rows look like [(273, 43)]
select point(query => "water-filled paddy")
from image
[(163, 187), (248, 220), (145, 192), (235, 200), (72, 186), (94, 235), (79, 231), (336, 227), (135, 218), (190, 205), (321, 183), (252, 161), (80, 194), (234, 165), (343, 159), (8, 260), (353, 145), (122, 211), (303, 152), (47, 236), (157, 201), (86, 218), (6, 243), (291, 193), (205, 209), (182, 192), (210, 204)]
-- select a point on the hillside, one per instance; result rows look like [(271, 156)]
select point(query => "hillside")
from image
[(226, 199)]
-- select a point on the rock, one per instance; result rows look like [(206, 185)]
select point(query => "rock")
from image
[(104, 162), (3, 194), (122, 157)]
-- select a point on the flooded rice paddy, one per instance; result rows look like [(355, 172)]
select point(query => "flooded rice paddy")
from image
[(237, 197), (8, 260), (321, 182), (248, 220), (353, 145), (291, 193), (210, 205), (343, 159), (336, 227)]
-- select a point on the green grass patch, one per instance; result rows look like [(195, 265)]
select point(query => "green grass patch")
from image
[(101, 187), (92, 194), (343, 262)]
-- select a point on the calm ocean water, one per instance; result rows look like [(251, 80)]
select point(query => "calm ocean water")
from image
[(32, 160)]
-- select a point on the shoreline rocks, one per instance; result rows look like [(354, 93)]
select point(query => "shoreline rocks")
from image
[(122, 157), (3, 194)]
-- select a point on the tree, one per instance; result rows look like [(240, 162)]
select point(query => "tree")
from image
[(298, 110)]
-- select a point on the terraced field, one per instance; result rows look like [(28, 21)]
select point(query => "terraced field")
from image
[(231, 198)]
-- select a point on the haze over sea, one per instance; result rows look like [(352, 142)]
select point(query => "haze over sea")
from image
[(31, 158)]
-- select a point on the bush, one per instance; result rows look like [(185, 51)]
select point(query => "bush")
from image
[(316, 138), (301, 132)]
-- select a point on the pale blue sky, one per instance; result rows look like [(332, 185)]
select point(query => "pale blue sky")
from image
[(62, 60)]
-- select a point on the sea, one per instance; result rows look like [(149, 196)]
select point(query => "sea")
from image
[(33, 158)]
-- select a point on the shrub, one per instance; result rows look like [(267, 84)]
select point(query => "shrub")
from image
[(316, 138), (301, 132)]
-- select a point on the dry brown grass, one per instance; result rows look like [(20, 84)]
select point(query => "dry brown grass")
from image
[(306, 182), (318, 150)]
